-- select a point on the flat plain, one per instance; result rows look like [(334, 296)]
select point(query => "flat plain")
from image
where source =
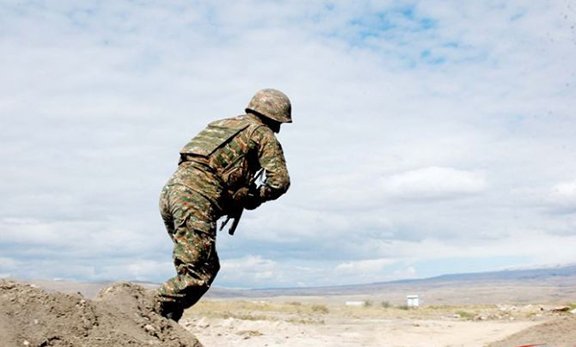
[(365, 321)]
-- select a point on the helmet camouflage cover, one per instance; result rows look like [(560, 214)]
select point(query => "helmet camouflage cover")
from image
[(272, 104)]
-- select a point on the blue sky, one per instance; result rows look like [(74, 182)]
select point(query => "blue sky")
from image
[(429, 137)]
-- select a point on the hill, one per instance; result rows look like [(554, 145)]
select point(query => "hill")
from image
[(120, 315)]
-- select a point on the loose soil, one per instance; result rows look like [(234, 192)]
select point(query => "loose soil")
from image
[(559, 332), (121, 315)]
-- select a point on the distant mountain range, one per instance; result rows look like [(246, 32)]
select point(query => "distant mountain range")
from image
[(560, 281), (557, 273)]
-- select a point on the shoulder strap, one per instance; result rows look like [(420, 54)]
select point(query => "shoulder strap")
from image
[(214, 136)]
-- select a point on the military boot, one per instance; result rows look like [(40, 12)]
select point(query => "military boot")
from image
[(170, 310)]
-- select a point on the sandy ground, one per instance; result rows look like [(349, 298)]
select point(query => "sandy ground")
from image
[(375, 333), (254, 324)]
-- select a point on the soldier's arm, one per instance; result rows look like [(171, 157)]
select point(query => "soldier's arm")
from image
[(271, 158)]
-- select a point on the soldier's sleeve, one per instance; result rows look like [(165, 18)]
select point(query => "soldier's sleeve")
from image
[(271, 158)]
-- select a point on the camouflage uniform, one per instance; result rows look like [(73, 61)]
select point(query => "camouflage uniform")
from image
[(219, 161)]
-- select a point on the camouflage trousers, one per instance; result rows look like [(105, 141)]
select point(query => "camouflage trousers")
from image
[(190, 220)]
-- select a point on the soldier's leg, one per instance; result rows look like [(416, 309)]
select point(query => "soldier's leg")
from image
[(196, 264), (210, 270), (195, 256)]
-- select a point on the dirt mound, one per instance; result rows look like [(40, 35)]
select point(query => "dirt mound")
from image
[(560, 332), (121, 315)]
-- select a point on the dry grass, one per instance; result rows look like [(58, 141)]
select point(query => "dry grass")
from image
[(294, 312), (314, 312)]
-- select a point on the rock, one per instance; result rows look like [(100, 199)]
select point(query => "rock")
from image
[(561, 309)]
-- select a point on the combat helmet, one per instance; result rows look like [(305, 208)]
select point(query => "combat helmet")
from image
[(272, 104)]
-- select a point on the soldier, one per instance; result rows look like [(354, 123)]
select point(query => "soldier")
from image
[(216, 177)]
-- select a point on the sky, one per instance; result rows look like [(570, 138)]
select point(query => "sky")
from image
[(429, 137)]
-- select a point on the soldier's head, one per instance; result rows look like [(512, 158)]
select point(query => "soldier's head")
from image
[(272, 106)]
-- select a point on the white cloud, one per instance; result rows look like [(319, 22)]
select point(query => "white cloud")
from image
[(254, 271), (363, 265), (561, 197), (370, 266), (434, 183), (375, 270), (564, 192)]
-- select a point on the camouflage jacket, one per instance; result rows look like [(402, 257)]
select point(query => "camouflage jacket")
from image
[(226, 155)]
